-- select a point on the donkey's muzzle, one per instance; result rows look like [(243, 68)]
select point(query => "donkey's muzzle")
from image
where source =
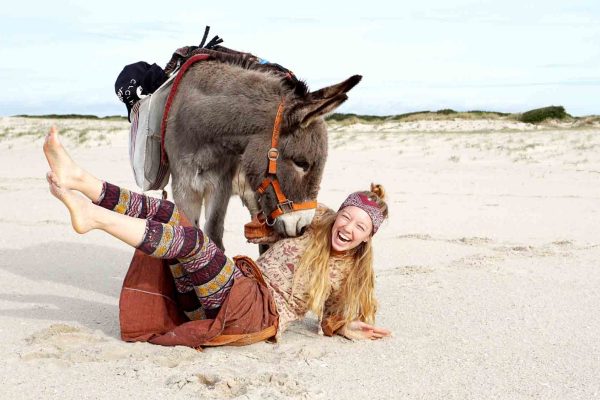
[(294, 223)]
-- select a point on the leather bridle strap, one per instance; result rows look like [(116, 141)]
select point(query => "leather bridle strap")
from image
[(273, 153), (283, 204)]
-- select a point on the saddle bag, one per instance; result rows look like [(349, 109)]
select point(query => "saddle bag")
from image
[(150, 169)]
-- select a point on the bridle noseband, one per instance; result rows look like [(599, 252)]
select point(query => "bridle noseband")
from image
[(283, 204)]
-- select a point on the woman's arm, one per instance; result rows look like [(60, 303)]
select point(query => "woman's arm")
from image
[(332, 324)]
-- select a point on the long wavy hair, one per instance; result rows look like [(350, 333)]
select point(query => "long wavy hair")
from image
[(357, 300)]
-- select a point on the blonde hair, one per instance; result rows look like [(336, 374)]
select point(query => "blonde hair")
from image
[(357, 299)]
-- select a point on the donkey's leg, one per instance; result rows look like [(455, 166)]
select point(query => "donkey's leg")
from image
[(242, 188), (188, 200), (216, 207)]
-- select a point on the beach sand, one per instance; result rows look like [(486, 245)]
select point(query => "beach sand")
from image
[(488, 273)]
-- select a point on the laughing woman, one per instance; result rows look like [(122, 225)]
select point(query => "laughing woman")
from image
[(328, 270)]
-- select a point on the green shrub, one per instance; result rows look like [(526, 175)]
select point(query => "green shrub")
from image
[(483, 112), (342, 117), (445, 111), (402, 116), (542, 114)]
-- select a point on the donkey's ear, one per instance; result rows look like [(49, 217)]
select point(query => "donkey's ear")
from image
[(323, 101), (320, 108), (334, 90)]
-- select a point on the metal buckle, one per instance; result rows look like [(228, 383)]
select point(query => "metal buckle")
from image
[(269, 223), (288, 204), (273, 154)]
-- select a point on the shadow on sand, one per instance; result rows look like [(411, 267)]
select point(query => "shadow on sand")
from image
[(94, 268)]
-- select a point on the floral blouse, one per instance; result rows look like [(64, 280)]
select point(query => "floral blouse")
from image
[(278, 265)]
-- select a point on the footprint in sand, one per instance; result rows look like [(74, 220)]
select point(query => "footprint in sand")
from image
[(477, 261), (406, 270), (418, 236), (228, 385), (526, 251), (563, 243), (74, 345), (472, 241), (61, 341)]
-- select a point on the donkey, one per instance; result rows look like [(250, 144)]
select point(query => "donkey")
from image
[(219, 137)]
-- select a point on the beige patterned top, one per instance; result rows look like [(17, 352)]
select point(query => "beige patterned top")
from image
[(278, 265)]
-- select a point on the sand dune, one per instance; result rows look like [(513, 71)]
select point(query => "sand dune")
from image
[(487, 272)]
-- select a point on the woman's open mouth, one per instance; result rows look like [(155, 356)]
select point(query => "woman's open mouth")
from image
[(343, 238)]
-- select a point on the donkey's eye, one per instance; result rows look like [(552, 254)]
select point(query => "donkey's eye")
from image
[(301, 164)]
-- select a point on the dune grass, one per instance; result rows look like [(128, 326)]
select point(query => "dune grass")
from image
[(538, 115)]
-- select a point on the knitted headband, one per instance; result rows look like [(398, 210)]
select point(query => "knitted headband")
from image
[(363, 202)]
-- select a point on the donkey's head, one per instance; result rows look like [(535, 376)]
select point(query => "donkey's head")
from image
[(287, 172)]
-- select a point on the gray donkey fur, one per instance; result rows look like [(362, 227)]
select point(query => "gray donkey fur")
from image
[(218, 133)]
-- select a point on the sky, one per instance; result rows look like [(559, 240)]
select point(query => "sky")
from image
[(511, 56)]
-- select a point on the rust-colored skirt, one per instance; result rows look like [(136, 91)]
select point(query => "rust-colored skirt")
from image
[(148, 309)]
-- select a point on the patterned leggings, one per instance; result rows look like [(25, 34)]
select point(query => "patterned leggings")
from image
[(198, 266)]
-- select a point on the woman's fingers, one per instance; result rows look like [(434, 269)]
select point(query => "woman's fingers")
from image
[(382, 331), (368, 331), (371, 328)]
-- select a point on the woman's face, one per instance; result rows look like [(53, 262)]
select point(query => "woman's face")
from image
[(352, 226)]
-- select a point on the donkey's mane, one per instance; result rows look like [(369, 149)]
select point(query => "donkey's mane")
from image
[(251, 62)]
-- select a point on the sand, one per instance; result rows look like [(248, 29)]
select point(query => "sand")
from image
[(488, 273)]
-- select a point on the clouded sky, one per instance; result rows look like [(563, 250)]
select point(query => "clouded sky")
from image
[(63, 56)]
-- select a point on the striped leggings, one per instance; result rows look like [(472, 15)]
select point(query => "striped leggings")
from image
[(202, 272)]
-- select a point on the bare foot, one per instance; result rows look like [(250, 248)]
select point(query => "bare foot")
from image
[(79, 207), (66, 173)]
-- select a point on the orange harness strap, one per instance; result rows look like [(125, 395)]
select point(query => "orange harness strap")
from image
[(283, 204), (273, 153)]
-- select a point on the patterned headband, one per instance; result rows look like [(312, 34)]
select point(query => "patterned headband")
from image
[(363, 202)]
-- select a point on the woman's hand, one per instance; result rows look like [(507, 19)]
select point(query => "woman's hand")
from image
[(362, 330)]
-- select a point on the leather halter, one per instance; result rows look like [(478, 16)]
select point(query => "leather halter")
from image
[(283, 204)]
